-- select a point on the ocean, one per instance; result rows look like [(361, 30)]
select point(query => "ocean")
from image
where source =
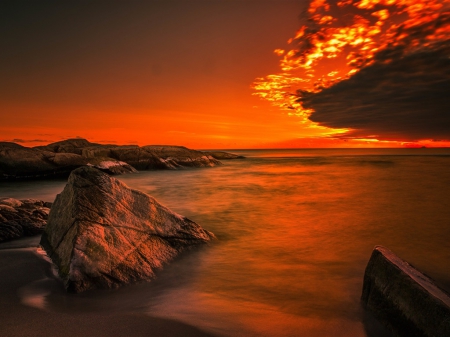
[(295, 231)]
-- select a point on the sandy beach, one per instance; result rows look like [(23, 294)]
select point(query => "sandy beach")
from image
[(25, 278)]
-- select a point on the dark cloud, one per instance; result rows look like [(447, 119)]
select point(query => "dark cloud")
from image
[(404, 95)]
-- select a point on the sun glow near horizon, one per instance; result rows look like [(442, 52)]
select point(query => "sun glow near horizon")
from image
[(139, 81), (339, 39)]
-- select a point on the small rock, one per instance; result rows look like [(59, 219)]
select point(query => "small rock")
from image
[(19, 218)]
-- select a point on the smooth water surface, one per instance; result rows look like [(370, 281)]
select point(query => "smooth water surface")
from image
[(295, 231)]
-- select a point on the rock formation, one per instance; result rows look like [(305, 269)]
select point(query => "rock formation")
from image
[(142, 158), (179, 156), (404, 299), (22, 217), (220, 155), (19, 162), (102, 234), (60, 158)]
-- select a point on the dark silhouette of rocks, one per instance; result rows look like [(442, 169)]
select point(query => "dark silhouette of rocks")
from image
[(102, 234), (19, 162), (403, 299), (221, 155), (60, 158), (20, 218), (74, 145), (180, 156)]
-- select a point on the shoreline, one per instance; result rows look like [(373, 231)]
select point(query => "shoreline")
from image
[(26, 277)]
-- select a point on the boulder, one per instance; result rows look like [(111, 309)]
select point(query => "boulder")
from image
[(103, 234), (20, 218), (403, 299)]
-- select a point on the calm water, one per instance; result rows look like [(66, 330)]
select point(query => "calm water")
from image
[(296, 229)]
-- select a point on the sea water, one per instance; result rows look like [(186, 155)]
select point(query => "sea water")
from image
[(295, 231)]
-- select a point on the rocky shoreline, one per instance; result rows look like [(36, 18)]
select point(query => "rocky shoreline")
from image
[(19, 218), (59, 159)]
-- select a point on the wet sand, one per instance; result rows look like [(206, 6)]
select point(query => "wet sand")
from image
[(20, 267)]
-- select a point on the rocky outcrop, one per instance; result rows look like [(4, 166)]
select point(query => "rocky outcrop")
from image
[(153, 157), (220, 155), (111, 166), (180, 156), (74, 145), (102, 234), (20, 218), (404, 299), (60, 158), (19, 162)]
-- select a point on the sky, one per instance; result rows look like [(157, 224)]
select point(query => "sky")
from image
[(226, 73)]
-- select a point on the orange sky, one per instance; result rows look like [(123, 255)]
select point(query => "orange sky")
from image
[(155, 73)]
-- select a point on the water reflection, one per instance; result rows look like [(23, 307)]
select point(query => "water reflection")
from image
[(295, 233)]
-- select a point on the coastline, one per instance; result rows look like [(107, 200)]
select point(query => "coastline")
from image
[(23, 271)]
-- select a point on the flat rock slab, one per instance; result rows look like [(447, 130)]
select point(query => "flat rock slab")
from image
[(20, 218), (103, 234), (220, 155), (404, 299)]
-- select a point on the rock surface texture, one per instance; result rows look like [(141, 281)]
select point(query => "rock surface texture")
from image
[(102, 234), (20, 218), (404, 299), (60, 158)]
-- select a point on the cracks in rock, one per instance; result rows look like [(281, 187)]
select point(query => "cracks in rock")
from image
[(64, 235), (90, 209), (111, 278)]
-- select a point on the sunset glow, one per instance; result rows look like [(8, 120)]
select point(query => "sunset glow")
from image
[(367, 73), (343, 37)]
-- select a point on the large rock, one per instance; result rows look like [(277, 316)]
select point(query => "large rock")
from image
[(404, 299), (102, 234), (20, 218)]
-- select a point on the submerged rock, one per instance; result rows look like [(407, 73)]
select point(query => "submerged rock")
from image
[(20, 218), (102, 234), (403, 299)]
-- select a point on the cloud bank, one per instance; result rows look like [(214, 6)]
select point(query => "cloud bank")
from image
[(396, 98)]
